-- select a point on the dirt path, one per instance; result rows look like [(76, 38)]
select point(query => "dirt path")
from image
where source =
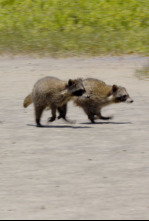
[(79, 171)]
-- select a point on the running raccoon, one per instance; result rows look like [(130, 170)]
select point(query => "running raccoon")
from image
[(53, 93), (101, 95)]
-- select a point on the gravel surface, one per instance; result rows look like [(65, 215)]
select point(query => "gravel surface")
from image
[(75, 171)]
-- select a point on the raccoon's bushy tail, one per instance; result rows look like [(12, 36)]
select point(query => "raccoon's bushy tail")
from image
[(28, 100)]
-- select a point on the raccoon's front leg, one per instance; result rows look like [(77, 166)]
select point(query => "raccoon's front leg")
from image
[(53, 118), (91, 117), (38, 113), (62, 113), (90, 114)]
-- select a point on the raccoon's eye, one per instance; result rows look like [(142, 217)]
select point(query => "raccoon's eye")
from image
[(124, 97)]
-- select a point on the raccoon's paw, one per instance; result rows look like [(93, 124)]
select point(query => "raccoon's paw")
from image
[(39, 125), (59, 117), (106, 118), (110, 117), (67, 120), (51, 119)]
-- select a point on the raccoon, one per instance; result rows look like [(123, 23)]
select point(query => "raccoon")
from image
[(53, 93), (101, 95)]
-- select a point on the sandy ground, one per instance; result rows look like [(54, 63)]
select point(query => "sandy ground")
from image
[(80, 171)]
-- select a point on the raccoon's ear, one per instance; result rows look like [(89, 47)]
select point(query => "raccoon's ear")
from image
[(115, 88), (70, 83)]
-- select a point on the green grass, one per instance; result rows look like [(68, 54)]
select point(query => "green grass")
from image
[(74, 27)]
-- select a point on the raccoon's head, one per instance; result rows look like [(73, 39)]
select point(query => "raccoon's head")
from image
[(76, 87), (120, 94)]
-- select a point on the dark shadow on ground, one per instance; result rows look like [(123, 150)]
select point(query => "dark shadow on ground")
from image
[(116, 123), (60, 126)]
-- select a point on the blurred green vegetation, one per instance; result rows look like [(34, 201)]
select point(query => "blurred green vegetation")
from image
[(74, 27)]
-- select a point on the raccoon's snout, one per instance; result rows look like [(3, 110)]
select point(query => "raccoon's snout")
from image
[(129, 100), (85, 95), (124, 98)]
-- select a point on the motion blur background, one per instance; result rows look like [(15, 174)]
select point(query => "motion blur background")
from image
[(74, 27)]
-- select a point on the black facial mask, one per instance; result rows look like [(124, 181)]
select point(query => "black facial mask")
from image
[(79, 93)]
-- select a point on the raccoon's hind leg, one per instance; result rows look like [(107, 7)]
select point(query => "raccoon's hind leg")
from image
[(62, 112), (38, 114), (99, 115), (53, 118)]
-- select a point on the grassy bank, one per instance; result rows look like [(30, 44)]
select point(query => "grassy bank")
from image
[(74, 27)]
